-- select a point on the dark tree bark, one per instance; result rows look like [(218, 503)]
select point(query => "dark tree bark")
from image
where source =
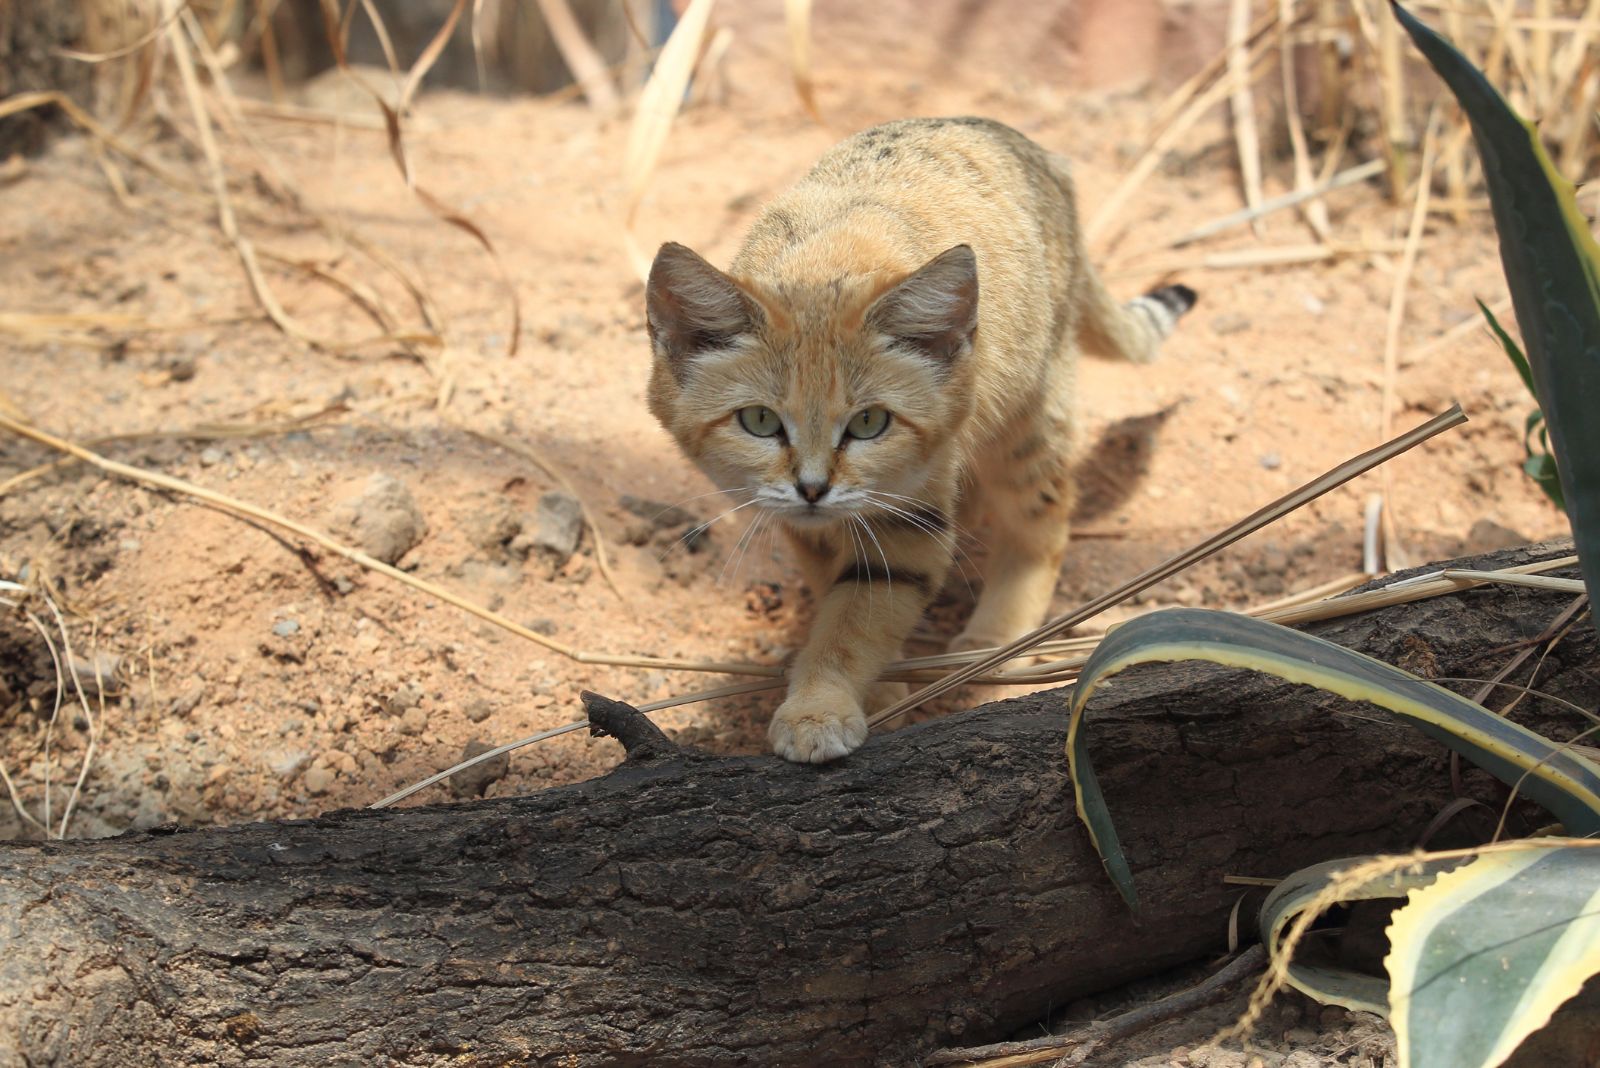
[(933, 889), (30, 36)]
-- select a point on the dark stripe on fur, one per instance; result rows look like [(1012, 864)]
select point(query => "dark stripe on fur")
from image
[(1177, 298), (870, 573)]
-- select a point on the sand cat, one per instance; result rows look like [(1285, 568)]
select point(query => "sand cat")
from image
[(896, 340)]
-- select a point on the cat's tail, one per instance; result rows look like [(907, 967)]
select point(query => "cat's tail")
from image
[(1131, 331)]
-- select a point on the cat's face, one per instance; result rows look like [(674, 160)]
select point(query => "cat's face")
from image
[(815, 405)]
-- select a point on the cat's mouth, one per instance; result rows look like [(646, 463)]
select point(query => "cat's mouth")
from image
[(810, 515)]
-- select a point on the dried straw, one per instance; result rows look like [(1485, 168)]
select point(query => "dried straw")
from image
[(653, 118)]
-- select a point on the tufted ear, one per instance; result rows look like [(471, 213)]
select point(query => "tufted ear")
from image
[(691, 307), (935, 308)]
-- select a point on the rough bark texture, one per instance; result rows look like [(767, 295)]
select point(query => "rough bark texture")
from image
[(30, 33), (933, 889)]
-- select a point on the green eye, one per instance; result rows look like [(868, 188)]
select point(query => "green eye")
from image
[(868, 423), (761, 421)]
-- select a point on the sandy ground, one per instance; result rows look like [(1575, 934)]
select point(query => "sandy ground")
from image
[(259, 678)]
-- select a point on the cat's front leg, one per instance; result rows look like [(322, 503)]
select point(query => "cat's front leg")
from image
[(865, 610)]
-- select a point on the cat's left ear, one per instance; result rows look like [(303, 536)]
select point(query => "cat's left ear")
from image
[(934, 309)]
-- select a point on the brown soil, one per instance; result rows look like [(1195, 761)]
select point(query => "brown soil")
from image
[(260, 679)]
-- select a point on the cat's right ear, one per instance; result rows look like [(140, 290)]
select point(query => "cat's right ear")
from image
[(693, 307)]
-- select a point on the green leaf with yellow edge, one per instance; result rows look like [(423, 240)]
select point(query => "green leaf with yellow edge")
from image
[(1565, 784), (1304, 889), (1481, 957), (1552, 266)]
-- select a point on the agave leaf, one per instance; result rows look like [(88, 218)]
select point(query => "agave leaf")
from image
[(1480, 958), (1518, 360), (1327, 984), (1565, 784), (1552, 266)]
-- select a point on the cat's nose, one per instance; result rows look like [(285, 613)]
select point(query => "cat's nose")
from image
[(812, 491)]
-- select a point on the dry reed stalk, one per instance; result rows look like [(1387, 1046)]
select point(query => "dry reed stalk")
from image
[(1269, 256), (588, 67), (239, 507), (1284, 505), (653, 118), (142, 41), (797, 21), (1243, 107), (18, 102), (392, 116), (1287, 612), (1170, 135), (1300, 196), (1180, 98), (1394, 555), (286, 112), (1392, 88), (1315, 211)]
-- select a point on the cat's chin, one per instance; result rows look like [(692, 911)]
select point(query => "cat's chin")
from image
[(810, 519)]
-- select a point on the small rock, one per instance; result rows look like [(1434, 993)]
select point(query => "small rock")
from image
[(218, 774), (97, 673), (383, 518), (317, 780), (1300, 1036), (1313, 304), (342, 584), (1486, 536), (181, 368), (1302, 1058), (406, 696), (637, 532), (285, 762), (479, 710), (129, 545), (414, 721), (1230, 323), (473, 781), (286, 628), (188, 701), (557, 528), (1271, 461), (658, 515), (211, 456), (491, 526)]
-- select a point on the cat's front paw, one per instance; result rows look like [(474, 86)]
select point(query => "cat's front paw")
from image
[(814, 729)]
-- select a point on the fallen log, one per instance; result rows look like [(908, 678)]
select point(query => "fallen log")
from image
[(933, 889)]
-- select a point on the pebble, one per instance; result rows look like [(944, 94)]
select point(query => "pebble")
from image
[(658, 515), (1230, 323), (479, 710), (1302, 1058), (97, 672), (188, 701), (407, 695), (211, 456), (383, 518), (1486, 536), (317, 780), (286, 628), (414, 721), (473, 781), (285, 762), (558, 525), (1271, 461)]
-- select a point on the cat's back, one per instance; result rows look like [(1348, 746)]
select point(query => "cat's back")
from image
[(911, 188)]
